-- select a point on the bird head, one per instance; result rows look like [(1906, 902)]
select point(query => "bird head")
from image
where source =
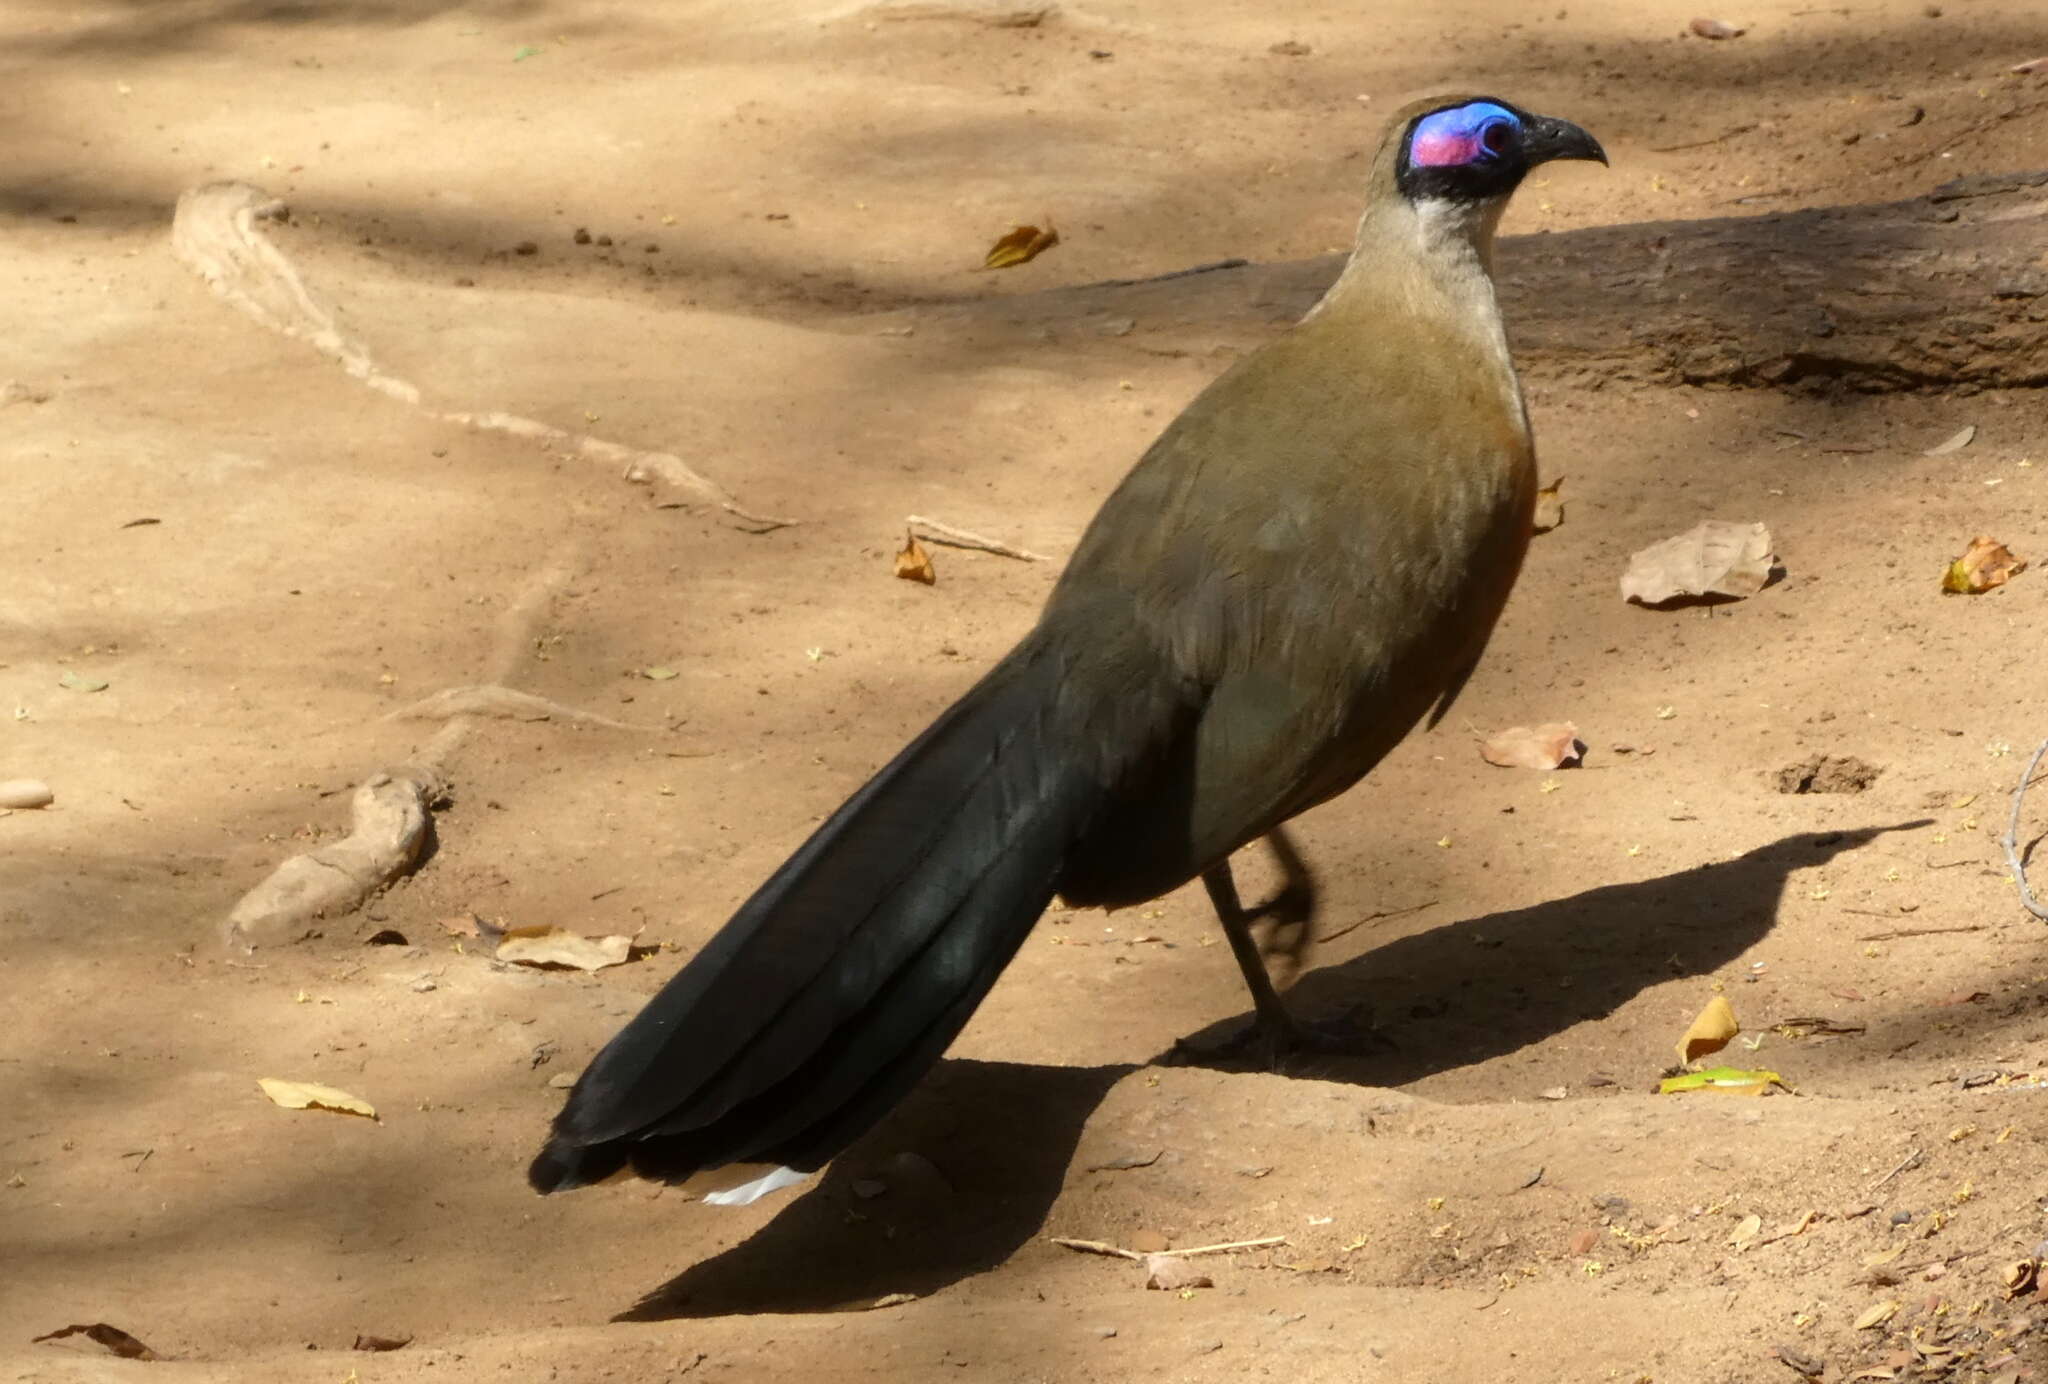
[(1477, 149), (1447, 167)]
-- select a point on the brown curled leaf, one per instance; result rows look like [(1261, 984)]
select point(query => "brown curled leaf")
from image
[(914, 563), (112, 1337)]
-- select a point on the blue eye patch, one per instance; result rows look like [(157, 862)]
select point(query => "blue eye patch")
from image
[(1475, 133)]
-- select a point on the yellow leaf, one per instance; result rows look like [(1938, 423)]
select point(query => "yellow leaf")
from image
[(1876, 1315), (1021, 246), (1986, 565), (1712, 1031), (310, 1095), (1747, 1230), (1733, 1081), (1550, 506)]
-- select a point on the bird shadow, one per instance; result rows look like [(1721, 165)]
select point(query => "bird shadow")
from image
[(953, 1182), (1473, 990), (993, 1141)]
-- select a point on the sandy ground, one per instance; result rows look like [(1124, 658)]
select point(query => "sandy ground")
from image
[(796, 194)]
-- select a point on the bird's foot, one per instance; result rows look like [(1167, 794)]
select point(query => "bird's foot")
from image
[(1271, 1041), (1350, 1034), (1287, 921)]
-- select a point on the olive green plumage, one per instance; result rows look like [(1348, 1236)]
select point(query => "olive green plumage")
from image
[(1306, 564)]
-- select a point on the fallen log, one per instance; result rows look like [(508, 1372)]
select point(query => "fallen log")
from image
[(1946, 291)]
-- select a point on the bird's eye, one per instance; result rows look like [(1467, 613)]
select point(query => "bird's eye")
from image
[(1496, 136)]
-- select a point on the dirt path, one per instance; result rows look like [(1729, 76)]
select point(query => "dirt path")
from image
[(782, 203)]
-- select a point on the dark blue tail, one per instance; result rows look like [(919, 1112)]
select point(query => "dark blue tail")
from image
[(843, 979)]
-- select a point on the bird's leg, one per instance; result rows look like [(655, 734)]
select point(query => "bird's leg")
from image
[(1292, 909), (1275, 1028), (1274, 1019)]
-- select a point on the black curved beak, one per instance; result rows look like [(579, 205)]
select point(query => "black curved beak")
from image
[(1545, 137)]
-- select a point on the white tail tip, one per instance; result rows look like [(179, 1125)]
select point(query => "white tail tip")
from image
[(747, 1193)]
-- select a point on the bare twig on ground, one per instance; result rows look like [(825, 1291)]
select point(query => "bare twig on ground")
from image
[(1917, 932), (1119, 1252), (495, 702), (1234, 262), (1334, 933), (948, 536), (1911, 1160), (214, 231), (2011, 839), (391, 809), (1703, 143)]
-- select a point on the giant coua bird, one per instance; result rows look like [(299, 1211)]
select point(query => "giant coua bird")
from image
[(1305, 565)]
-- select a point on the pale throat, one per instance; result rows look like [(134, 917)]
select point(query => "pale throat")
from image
[(1459, 232)]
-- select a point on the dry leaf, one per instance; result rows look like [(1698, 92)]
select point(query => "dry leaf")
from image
[(1716, 558), (1554, 745), (1549, 506), (311, 1095), (1955, 442), (1024, 244), (381, 1343), (1172, 1272), (2030, 66), (1877, 1314), (112, 1337), (1716, 28), (914, 563), (1712, 1031), (1786, 1232), (555, 946), (1748, 1229), (466, 925), (1987, 565)]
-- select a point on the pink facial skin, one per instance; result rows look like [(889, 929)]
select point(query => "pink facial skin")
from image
[(1443, 148)]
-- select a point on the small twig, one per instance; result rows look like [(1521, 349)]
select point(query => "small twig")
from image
[(1911, 1160), (140, 1156), (1096, 1247), (1211, 267), (1334, 933), (2012, 830), (947, 536), (1119, 1252), (1917, 932), (1124, 1165), (1703, 143), (1229, 1246)]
